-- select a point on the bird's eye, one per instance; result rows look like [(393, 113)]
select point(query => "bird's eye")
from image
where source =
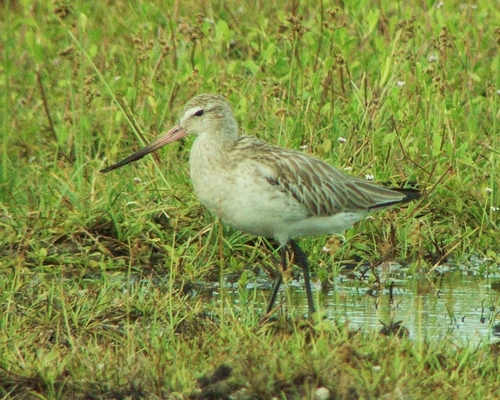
[(199, 113)]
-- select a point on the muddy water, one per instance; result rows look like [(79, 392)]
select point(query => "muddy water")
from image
[(457, 303)]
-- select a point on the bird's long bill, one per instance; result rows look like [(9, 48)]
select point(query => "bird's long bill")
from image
[(173, 134)]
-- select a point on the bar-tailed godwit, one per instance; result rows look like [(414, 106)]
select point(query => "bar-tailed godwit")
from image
[(267, 190)]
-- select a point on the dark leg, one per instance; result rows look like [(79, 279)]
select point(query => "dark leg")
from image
[(277, 282), (300, 258)]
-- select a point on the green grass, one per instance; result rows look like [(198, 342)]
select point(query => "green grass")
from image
[(96, 270)]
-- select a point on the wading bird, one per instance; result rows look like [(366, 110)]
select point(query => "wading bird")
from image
[(267, 190)]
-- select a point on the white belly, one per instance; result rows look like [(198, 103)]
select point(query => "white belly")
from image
[(241, 200)]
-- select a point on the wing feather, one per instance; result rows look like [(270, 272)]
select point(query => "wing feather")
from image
[(320, 188)]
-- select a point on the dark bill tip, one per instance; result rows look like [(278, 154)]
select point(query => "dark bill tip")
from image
[(173, 134)]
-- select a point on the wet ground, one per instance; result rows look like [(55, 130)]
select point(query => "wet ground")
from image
[(458, 302)]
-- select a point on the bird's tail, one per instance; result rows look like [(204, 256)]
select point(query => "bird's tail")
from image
[(410, 195)]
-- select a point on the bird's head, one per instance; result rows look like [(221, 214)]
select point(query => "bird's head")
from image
[(205, 114)]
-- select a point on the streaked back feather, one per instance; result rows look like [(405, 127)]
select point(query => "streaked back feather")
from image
[(319, 187)]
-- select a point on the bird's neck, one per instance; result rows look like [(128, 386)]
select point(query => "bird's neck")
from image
[(213, 148), (220, 139)]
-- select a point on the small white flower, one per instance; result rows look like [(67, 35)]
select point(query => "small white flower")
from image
[(117, 78), (369, 177), (489, 190), (347, 168), (432, 58), (303, 147), (401, 83), (494, 208), (439, 4), (342, 140), (325, 249), (376, 368), (137, 180), (498, 92)]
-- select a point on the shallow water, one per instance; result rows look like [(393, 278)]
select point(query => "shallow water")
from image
[(456, 303)]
